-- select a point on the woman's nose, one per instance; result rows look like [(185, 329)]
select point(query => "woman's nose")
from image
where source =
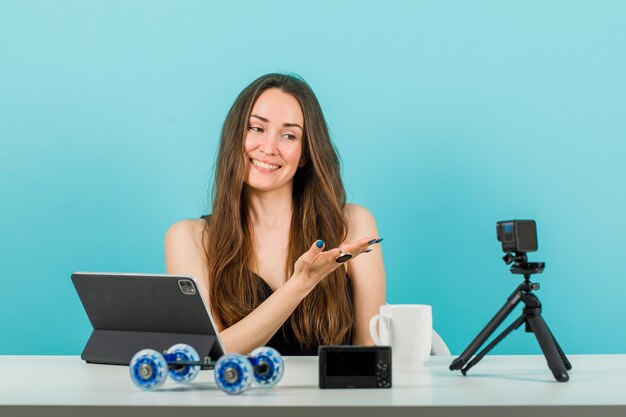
[(268, 146)]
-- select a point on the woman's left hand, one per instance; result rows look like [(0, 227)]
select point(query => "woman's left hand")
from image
[(315, 264)]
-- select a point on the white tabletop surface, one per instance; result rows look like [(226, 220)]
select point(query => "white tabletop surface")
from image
[(498, 385)]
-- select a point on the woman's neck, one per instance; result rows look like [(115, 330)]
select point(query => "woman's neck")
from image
[(269, 209)]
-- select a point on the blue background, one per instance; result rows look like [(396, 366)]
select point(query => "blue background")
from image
[(449, 116)]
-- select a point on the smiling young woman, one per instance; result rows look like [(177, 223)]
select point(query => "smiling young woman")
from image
[(271, 258)]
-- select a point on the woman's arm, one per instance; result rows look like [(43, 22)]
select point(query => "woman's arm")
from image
[(184, 255), (367, 274)]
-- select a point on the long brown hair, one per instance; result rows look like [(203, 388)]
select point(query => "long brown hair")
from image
[(326, 315)]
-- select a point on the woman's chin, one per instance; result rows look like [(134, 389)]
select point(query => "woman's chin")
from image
[(266, 187)]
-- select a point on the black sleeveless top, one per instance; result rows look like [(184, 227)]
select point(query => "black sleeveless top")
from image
[(284, 340)]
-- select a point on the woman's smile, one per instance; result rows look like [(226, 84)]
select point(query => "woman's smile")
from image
[(264, 166)]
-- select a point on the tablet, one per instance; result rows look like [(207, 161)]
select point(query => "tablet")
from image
[(130, 312)]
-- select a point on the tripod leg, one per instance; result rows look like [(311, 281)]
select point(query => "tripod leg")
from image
[(566, 362), (493, 343), (513, 300), (548, 346)]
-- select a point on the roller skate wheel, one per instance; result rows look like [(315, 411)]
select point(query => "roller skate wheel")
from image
[(148, 369), (233, 373), (270, 366), (187, 373)]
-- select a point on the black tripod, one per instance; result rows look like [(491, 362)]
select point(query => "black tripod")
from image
[(531, 316)]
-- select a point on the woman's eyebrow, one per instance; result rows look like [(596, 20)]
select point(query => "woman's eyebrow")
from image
[(292, 125), (284, 124)]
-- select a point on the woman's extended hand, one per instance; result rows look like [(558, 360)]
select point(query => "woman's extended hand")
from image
[(315, 264)]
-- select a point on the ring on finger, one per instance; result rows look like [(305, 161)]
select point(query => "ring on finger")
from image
[(343, 256)]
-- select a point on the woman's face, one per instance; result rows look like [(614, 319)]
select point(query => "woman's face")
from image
[(273, 141)]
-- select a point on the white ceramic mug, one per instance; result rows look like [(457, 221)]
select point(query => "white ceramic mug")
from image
[(407, 328)]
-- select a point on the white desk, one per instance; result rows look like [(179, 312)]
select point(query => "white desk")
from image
[(499, 386)]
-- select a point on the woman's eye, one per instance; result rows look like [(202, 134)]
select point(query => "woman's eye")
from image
[(289, 136), (255, 128)]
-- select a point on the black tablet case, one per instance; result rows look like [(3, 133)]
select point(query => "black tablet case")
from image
[(130, 312)]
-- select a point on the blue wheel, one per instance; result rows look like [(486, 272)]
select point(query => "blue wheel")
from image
[(233, 373), (269, 366), (185, 353), (148, 369)]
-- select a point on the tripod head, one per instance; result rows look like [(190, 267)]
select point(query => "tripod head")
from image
[(521, 266)]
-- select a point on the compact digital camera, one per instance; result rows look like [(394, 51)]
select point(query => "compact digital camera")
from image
[(355, 366)]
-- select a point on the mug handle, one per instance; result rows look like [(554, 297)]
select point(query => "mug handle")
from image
[(373, 331)]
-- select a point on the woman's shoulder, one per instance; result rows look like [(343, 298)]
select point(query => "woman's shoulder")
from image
[(356, 213), (360, 221), (356, 210), (185, 232), (184, 252)]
